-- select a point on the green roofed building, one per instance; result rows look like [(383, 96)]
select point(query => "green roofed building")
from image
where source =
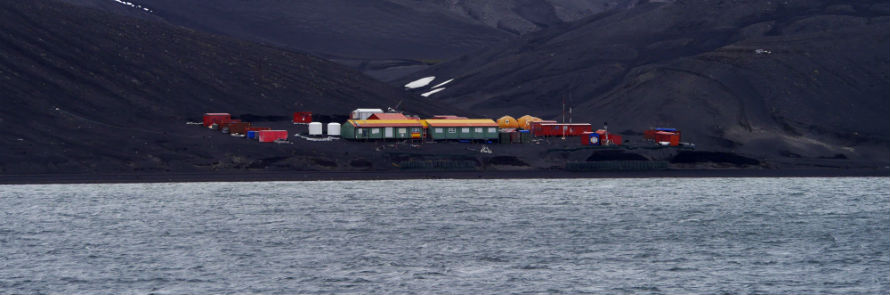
[(468, 129), (382, 129)]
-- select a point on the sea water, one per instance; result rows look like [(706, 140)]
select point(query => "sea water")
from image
[(643, 236)]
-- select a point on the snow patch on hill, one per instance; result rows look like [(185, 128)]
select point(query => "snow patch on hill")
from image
[(131, 4), (443, 83), (420, 82), (431, 92)]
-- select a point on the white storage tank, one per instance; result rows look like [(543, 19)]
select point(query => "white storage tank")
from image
[(315, 129), (333, 129)]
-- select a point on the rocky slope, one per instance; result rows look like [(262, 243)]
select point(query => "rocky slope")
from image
[(521, 16), (88, 91), (787, 80), (378, 37), (383, 38)]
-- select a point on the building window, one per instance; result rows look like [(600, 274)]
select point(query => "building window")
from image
[(465, 130), (492, 130), (403, 130), (452, 130), (438, 130), (360, 131), (375, 130), (478, 130)]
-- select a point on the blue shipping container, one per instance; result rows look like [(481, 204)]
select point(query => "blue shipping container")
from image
[(251, 134), (666, 129)]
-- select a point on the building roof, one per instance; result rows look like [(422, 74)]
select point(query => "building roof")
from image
[(387, 116), (385, 123), (448, 117), (566, 124), (461, 123)]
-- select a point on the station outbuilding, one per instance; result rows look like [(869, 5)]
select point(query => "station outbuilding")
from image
[(382, 129), (462, 129)]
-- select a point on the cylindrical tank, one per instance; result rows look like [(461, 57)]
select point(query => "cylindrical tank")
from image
[(333, 129), (507, 122), (525, 121), (315, 129)]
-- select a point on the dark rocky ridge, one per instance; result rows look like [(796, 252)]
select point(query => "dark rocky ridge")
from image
[(377, 37), (521, 16), (821, 91), (383, 38), (87, 91)]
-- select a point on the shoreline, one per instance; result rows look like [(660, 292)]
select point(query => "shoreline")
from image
[(263, 176)]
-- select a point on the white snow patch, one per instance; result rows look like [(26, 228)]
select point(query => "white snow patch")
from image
[(131, 4), (431, 92), (443, 83), (420, 82)]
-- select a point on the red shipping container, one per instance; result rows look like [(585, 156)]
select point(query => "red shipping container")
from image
[(238, 127), (255, 128), (609, 139), (272, 135), (536, 127), (216, 118), (667, 138), (303, 117), (563, 129), (600, 138), (590, 138), (615, 139)]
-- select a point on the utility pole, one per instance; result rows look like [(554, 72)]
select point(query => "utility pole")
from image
[(571, 103), (606, 140)]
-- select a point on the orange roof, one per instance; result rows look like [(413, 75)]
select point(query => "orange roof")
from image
[(568, 124), (461, 123), (387, 116), (386, 123)]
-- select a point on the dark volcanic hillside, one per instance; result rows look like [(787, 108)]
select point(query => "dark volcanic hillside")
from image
[(818, 88), (521, 16), (378, 37), (86, 91), (383, 38)]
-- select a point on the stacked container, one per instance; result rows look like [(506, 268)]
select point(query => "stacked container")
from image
[(667, 138), (561, 129), (238, 127), (272, 135), (525, 136), (253, 131)]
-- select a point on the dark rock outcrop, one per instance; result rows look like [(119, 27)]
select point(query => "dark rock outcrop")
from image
[(755, 77)]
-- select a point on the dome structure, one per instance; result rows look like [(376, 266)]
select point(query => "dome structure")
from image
[(506, 122), (524, 121)]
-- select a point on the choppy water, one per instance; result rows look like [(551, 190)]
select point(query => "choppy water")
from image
[(748, 235)]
